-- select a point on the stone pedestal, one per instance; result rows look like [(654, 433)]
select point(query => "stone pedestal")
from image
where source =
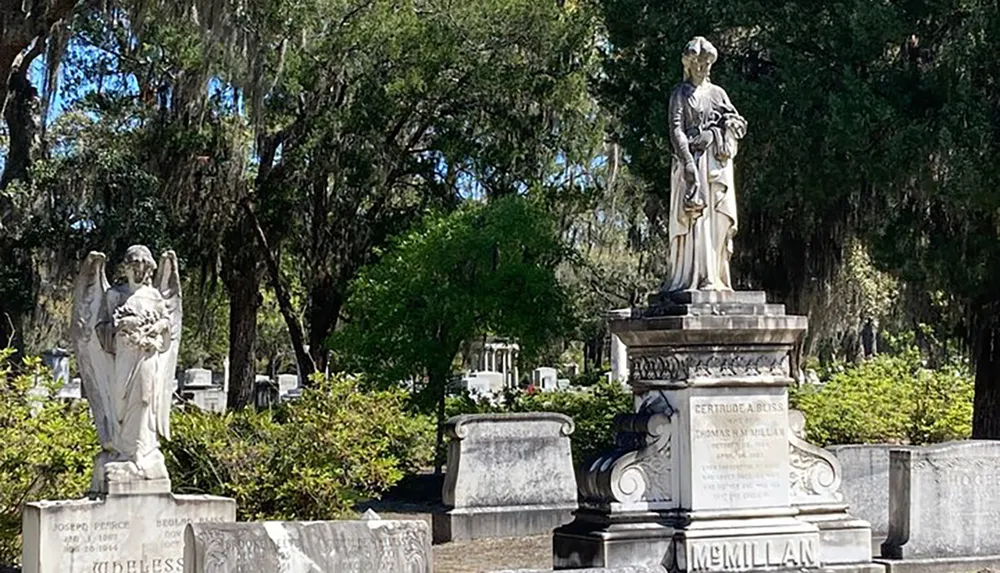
[(138, 527), (509, 475), (701, 476)]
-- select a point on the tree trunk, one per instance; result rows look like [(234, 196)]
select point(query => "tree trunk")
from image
[(986, 406), (16, 267), (243, 273), (438, 381), (295, 332), (324, 311), (244, 301)]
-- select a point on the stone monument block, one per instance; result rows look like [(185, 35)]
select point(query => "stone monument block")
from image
[(197, 378), (287, 383), (866, 485), (123, 533), (545, 378), (944, 502), (508, 475), (208, 399), (367, 546)]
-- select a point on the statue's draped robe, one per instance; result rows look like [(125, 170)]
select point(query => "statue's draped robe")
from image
[(137, 376), (701, 241)]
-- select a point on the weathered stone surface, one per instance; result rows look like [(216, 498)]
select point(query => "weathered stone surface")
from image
[(508, 475), (863, 568), (120, 534), (366, 546), (816, 479), (865, 485), (944, 501), (712, 472)]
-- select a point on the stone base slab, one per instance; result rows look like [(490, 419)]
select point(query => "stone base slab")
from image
[(118, 534), (940, 565), (862, 568), (515, 521), (682, 544), (843, 539)]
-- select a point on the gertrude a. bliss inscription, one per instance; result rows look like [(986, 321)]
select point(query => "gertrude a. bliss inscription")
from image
[(739, 450)]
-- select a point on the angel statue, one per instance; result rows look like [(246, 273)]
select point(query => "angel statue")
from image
[(704, 132), (126, 339)]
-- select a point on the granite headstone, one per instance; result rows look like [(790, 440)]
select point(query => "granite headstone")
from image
[(865, 485), (944, 501), (366, 546), (508, 475)]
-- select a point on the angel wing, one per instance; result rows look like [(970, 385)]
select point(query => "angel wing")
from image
[(94, 363), (168, 282)]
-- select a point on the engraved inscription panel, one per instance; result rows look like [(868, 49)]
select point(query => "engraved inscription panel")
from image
[(135, 534), (739, 451)]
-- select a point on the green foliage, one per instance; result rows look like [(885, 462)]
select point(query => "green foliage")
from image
[(47, 447), (593, 412), (483, 268), (889, 399), (310, 459)]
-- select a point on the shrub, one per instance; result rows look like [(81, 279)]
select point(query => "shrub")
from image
[(889, 399), (47, 448), (309, 459)]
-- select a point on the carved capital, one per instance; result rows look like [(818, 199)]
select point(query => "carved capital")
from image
[(675, 366)]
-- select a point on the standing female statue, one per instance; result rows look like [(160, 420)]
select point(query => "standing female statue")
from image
[(704, 131), (126, 339)]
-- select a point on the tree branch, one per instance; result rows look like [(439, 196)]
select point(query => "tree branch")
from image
[(304, 360)]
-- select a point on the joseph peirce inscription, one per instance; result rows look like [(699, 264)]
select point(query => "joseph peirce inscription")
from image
[(121, 534)]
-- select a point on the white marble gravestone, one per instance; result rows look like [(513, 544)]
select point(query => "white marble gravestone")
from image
[(287, 383), (544, 378), (119, 534), (197, 378)]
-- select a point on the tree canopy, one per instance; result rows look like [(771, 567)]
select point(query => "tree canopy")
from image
[(299, 153)]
